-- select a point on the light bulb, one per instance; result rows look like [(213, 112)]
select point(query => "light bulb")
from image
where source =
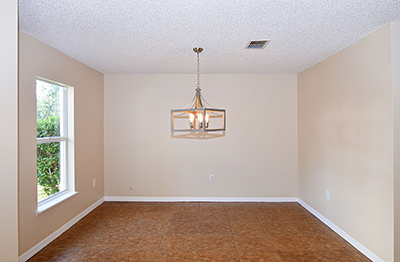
[(207, 120), (191, 117), (191, 120), (200, 119)]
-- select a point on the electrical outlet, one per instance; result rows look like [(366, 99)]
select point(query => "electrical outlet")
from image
[(211, 178), (328, 194), (94, 182)]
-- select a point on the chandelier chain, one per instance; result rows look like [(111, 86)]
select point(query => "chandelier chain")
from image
[(198, 69)]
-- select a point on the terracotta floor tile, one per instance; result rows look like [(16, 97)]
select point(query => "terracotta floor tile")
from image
[(87, 227), (242, 217), (342, 255), (236, 205), (179, 242), (264, 209), (165, 203), (269, 216), (238, 210), (71, 240), (117, 228), (54, 255), (216, 241), (166, 209), (289, 242), (98, 255), (214, 228), (287, 205), (280, 228), (212, 205), (248, 244), (305, 227), (217, 211), (100, 215), (140, 241), (138, 205), (185, 216), (249, 229), (124, 220), (247, 237), (259, 256), (156, 216), (299, 217), (201, 231), (135, 256), (213, 217), (106, 241), (176, 256), (325, 240), (150, 227), (182, 227), (221, 255), (263, 205), (187, 209), (187, 204), (128, 216), (130, 209), (306, 256)]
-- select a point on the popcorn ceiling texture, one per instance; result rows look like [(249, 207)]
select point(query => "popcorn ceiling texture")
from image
[(139, 36)]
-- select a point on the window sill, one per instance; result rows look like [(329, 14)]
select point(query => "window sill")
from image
[(45, 206)]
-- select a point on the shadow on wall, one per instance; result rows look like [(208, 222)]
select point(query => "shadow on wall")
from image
[(197, 135)]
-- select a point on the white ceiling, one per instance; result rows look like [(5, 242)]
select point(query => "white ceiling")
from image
[(139, 36)]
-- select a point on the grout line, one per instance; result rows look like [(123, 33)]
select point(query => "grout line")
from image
[(276, 251), (306, 240), (165, 231), (198, 233), (126, 237), (131, 232), (74, 255), (232, 235)]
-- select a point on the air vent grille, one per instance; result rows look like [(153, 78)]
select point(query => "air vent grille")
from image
[(257, 44)]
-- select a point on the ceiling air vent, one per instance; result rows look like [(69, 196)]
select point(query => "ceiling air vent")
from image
[(257, 44)]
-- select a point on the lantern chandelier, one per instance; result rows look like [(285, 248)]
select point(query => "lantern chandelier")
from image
[(198, 115)]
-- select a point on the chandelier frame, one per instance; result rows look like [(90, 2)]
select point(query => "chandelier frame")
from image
[(198, 111)]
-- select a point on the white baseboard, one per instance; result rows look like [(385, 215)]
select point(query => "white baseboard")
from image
[(342, 233), (31, 252), (199, 199)]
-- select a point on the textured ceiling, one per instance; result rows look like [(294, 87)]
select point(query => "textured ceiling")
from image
[(139, 36)]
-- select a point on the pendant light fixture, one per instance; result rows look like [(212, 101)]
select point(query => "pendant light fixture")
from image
[(198, 115)]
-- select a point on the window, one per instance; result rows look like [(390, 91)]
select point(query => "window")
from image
[(54, 151)]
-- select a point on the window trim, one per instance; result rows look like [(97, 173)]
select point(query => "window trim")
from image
[(60, 197), (67, 137), (54, 139)]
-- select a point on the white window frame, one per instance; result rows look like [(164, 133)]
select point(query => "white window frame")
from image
[(67, 155)]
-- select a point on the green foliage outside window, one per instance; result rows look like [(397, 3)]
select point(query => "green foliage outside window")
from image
[(48, 125), (48, 156)]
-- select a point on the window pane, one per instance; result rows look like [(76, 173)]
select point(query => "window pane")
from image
[(48, 109), (49, 171)]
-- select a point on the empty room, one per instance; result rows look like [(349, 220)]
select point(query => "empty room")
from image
[(200, 130)]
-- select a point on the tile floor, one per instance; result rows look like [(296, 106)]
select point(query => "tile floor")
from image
[(176, 231)]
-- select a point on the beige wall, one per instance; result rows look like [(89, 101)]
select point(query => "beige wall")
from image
[(345, 119), (8, 130), (38, 59), (395, 38), (257, 157)]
